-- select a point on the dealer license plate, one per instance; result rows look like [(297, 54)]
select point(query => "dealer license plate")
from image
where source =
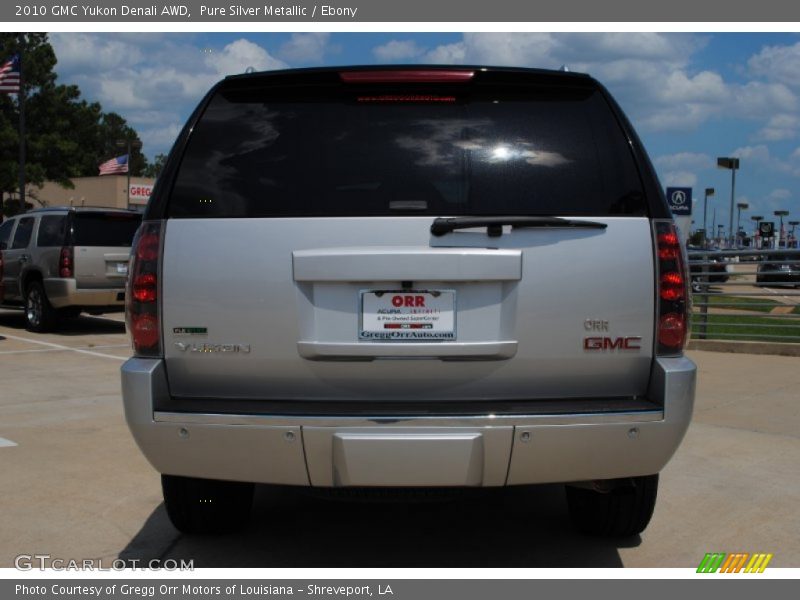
[(398, 315)]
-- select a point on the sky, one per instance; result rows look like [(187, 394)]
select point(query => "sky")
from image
[(692, 97)]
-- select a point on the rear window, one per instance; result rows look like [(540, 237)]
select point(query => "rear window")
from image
[(346, 152), (22, 235), (104, 229), (5, 233), (52, 231)]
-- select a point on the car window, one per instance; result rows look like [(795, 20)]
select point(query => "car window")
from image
[(104, 229), (52, 231), (5, 233), (262, 153), (22, 236)]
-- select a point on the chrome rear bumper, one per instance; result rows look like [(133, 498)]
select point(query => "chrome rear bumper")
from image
[(479, 450)]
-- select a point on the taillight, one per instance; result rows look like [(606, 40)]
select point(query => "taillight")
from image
[(66, 262), (672, 319), (141, 298)]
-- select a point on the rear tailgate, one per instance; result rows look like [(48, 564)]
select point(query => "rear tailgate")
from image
[(102, 242), (299, 262), (262, 320)]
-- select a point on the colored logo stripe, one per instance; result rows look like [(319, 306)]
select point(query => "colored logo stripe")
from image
[(711, 562), (734, 563), (758, 563)]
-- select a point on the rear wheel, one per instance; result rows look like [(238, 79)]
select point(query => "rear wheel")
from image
[(623, 511), (206, 505), (40, 315)]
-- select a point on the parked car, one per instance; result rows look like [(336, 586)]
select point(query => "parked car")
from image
[(57, 262), (408, 277), (706, 269), (779, 270)]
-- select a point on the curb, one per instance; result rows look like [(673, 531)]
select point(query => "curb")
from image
[(735, 347)]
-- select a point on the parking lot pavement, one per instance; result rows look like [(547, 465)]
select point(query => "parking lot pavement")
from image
[(75, 486)]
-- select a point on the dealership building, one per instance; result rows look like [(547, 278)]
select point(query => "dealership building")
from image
[(108, 190)]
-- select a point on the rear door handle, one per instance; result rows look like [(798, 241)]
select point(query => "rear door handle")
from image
[(24, 258)]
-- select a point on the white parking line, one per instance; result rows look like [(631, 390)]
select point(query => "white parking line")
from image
[(4, 443), (60, 347), (31, 351)]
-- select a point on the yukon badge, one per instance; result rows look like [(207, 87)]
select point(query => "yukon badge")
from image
[(213, 348)]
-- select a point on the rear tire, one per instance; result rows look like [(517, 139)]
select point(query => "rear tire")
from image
[(201, 506), (40, 316), (622, 512)]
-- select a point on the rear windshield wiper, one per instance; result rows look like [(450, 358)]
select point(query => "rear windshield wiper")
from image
[(494, 225)]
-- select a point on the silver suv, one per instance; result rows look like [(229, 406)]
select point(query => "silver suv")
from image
[(408, 277), (57, 262)]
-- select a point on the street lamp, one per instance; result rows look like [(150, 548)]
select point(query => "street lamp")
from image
[(732, 163), (757, 235), (781, 214), (719, 231), (130, 145), (794, 239), (709, 192), (740, 206)]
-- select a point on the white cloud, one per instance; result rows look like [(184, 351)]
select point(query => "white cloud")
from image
[(779, 127), (685, 160), (758, 154), (305, 47), (238, 56), (650, 74), (680, 179), (780, 194), (447, 54), (162, 136), (395, 50), (777, 63), (98, 53)]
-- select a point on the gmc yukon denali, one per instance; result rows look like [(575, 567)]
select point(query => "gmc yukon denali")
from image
[(408, 277)]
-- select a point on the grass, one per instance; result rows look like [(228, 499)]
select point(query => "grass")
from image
[(750, 328)]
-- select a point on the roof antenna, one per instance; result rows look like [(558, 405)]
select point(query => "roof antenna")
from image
[(249, 70), (564, 68)]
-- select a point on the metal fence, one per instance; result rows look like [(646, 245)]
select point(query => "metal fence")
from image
[(746, 295)]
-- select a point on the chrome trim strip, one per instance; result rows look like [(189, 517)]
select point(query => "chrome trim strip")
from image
[(421, 421)]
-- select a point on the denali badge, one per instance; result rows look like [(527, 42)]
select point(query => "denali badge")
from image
[(190, 330), (607, 343), (211, 348)]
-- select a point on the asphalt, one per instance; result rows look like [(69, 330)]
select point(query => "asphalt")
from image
[(75, 486)]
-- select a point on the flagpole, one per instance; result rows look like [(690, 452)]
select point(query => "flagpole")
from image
[(21, 100), (129, 175)]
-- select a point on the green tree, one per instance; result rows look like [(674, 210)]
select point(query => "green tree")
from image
[(154, 169), (66, 136)]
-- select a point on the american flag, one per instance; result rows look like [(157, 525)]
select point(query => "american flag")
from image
[(9, 76), (115, 165)]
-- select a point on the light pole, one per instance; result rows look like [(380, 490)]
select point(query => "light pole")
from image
[(794, 239), (709, 192), (732, 163), (719, 231), (757, 219), (781, 214), (740, 206), (130, 145)]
